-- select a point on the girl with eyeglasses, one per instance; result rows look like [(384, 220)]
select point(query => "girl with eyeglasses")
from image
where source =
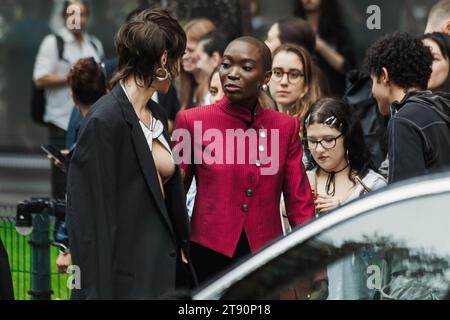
[(294, 85), (339, 160), (340, 171)]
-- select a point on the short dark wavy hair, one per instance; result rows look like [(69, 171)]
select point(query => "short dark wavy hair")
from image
[(406, 58), (141, 42), (87, 81)]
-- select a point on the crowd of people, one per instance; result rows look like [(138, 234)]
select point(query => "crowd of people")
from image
[(171, 180)]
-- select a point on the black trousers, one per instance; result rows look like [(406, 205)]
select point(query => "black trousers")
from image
[(57, 137), (6, 286), (208, 263)]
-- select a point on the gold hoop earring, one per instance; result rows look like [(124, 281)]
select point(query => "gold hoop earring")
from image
[(165, 77)]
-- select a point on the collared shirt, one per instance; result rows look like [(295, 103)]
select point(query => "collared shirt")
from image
[(59, 100)]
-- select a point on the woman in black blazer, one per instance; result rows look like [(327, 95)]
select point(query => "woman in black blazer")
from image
[(128, 225)]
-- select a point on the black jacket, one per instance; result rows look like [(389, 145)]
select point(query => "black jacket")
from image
[(419, 135), (124, 235), (359, 95)]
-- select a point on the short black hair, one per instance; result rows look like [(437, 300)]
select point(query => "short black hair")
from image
[(298, 31), (330, 17), (263, 49), (87, 81), (406, 58), (214, 41), (442, 40)]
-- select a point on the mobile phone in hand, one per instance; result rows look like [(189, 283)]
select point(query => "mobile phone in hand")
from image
[(55, 154)]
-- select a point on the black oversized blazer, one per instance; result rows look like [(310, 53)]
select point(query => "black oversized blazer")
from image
[(125, 237)]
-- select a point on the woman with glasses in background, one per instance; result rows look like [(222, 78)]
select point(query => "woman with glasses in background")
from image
[(294, 85), (338, 158)]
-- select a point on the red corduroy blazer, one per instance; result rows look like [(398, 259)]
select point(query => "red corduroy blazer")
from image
[(235, 195)]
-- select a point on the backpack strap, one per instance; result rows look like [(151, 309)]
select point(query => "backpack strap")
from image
[(92, 42), (94, 45), (60, 47)]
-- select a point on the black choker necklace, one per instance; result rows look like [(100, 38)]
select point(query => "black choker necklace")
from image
[(331, 181)]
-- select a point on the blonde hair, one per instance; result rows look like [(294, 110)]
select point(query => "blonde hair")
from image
[(312, 91), (439, 13), (189, 88)]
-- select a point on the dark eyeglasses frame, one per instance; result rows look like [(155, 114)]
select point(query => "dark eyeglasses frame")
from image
[(288, 76), (308, 142)]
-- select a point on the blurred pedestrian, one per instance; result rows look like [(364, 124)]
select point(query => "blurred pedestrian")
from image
[(334, 45), (291, 30), (215, 86), (57, 54), (215, 95), (88, 84), (439, 18), (439, 44), (193, 81), (210, 50)]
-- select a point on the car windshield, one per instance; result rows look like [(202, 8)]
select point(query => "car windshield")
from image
[(396, 252)]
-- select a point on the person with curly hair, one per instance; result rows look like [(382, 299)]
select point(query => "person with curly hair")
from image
[(419, 134)]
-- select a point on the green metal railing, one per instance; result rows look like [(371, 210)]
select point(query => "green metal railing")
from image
[(21, 260)]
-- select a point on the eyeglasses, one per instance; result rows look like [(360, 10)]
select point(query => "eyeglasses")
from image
[(293, 76), (326, 143)]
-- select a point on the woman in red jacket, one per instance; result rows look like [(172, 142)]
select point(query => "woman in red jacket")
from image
[(243, 156)]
